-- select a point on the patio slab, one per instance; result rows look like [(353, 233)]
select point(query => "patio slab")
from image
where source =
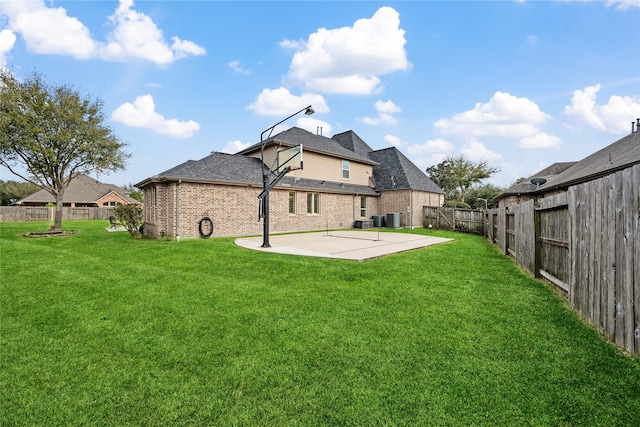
[(353, 245)]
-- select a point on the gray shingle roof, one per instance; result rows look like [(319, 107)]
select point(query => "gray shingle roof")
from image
[(526, 187), (352, 142), (239, 169), (396, 172), (82, 189), (216, 167), (391, 169), (621, 154), (321, 144)]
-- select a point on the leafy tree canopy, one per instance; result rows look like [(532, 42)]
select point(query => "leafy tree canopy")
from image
[(55, 134), (481, 194), (134, 192), (456, 175), (12, 191)]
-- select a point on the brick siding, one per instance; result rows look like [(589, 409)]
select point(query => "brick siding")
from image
[(234, 209)]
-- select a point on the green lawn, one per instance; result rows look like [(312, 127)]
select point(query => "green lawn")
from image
[(100, 329)]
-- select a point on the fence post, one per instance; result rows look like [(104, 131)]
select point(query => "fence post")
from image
[(536, 241)]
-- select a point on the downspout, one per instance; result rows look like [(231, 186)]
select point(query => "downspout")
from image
[(178, 210), (411, 208)]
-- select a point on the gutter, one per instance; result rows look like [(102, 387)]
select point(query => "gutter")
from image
[(178, 210)]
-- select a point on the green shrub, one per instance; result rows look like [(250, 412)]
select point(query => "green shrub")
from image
[(131, 217)]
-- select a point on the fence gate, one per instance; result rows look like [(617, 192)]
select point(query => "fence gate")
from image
[(511, 234), (463, 220), (552, 246)]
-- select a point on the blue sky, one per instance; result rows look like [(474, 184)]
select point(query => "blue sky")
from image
[(520, 84)]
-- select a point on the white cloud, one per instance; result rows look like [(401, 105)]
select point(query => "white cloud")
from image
[(7, 40), (233, 147), (540, 141), (50, 30), (532, 40), (430, 153), (503, 115), (235, 66), (477, 152), (623, 4), (431, 146), (387, 107), (142, 114), (393, 140), (614, 117), (385, 114), (184, 48), (315, 126), (281, 102), (135, 35), (351, 59)]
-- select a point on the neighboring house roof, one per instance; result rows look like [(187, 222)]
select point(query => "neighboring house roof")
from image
[(82, 189), (317, 143), (396, 172), (526, 187), (622, 154)]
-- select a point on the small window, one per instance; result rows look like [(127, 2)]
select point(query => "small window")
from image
[(345, 169), (292, 202), (313, 203), (363, 206)]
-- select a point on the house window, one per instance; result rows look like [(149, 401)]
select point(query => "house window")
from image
[(363, 206), (345, 169), (292, 202), (313, 203)]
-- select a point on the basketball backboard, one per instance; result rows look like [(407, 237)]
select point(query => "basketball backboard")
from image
[(291, 157)]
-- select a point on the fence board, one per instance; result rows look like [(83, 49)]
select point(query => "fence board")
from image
[(635, 210), (463, 220), (43, 213), (587, 242)]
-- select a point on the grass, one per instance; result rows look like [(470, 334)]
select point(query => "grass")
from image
[(100, 329)]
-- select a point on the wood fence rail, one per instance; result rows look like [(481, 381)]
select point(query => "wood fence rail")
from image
[(42, 213), (463, 220), (586, 241)]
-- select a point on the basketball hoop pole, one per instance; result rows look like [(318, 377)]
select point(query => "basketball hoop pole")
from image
[(266, 172)]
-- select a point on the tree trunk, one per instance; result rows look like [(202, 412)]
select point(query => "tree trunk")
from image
[(57, 218)]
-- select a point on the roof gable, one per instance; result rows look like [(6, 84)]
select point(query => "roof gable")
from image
[(317, 143), (81, 189), (396, 172), (352, 142)]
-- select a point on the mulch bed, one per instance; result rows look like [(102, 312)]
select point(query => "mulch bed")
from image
[(51, 233)]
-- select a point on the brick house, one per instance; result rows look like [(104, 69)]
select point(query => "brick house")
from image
[(342, 181), (83, 191)]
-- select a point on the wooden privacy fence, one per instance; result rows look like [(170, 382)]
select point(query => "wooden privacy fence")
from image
[(42, 213), (463, 220), (587, 242)]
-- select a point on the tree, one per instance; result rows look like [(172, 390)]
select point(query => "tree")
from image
[(12, 191), (55, 134), (478, 194), (456, 175), (131, 217), (134, 192)]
